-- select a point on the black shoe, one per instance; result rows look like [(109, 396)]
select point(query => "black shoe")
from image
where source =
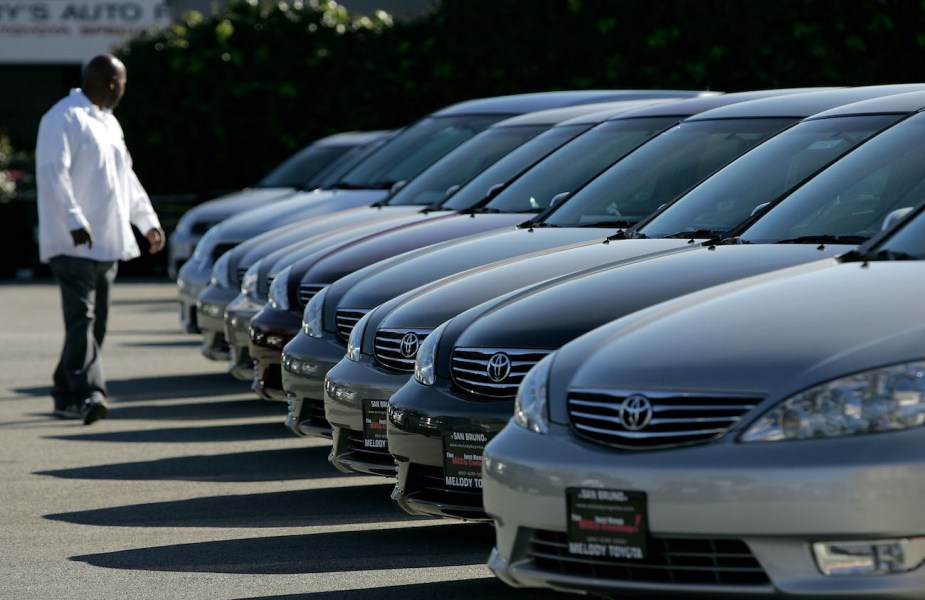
[(93, 409), (71, 411)]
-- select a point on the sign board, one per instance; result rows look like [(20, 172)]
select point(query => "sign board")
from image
[(72, 31)]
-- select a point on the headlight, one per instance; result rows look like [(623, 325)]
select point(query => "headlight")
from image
[(249, 282), (530, 405), (279, 290), (355, 341), (886, 399), (220, 276), (311, 318), (427, 354)]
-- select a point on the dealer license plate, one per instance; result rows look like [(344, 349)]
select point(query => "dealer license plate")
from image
[(607, 524), (462, 458), (374, 428)]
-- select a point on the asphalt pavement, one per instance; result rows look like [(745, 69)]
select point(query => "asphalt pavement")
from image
[(192, 487)]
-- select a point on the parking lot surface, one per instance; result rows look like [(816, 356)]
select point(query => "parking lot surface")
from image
[(193, 487)]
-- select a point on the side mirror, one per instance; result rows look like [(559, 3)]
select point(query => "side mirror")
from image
[(760, 208), (559, 199), (894, 217), (397, 186)]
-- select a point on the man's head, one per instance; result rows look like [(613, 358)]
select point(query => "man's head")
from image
[(104, 80)]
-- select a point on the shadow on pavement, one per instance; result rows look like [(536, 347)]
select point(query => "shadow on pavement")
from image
[(467, 589), (170, 387), (297, 508), (214, 433), (251, 408), (405, 548), (266, 465)]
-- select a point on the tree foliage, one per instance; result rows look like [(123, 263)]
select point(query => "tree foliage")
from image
[(215, 101)]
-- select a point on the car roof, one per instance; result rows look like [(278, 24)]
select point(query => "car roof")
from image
[(898, 103), (350, 138), (693, 106), (531, 102), (802, 105), (569, 113)]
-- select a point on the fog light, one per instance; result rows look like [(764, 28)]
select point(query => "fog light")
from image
[(874, 557)]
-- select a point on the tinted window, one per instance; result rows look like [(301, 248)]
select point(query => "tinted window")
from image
[(766, 173), (852, 197), (299, 168), (462, 164), (416, 148), (512, 165), (570, 167), (662, 169)]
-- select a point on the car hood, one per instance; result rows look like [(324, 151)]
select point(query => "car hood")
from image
[(219, 209), (305, 230), (373, 285), (299, 206), (429, 306), (551, 314), (771, 336)]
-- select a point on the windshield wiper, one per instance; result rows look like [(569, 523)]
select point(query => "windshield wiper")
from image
[(697, 233), (826, 239), (620, 224)]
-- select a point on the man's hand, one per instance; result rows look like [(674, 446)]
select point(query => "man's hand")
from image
[(82, 236), (157, 239)]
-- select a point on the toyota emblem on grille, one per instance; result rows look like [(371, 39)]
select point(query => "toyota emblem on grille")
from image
[(409, 345), (636, 412), (499, 367)]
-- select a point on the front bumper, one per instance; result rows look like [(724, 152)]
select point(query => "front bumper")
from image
[(210, 310), (270, 330), (356, 396), (771, 501), (189, 286), (306, 362), (237, 323), (423, 422)]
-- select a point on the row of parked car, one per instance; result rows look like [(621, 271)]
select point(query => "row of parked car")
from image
[(666, 341)]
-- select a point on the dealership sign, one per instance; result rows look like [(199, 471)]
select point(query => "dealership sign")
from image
[(71, 31)]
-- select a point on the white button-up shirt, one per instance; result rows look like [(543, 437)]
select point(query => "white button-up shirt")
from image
[(85, 180)]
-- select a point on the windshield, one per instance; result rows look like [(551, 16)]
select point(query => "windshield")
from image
[(907, 242), (462, 164), (299, 168), (512, 165), (416, 148), (851, 198), (662, 169), (763, 175), (572, 165), (333, 173)]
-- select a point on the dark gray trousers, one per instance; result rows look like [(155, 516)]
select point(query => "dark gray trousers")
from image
[(85, 285)]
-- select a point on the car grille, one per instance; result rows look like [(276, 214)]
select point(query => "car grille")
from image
[(654, 419), (307, 291), (681, 561), (313, 412), (396, 351), (474, 372), (219, 250), (345, 319)]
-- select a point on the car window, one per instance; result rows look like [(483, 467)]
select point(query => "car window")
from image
[(853, 196), (299, 168), (415, 149), (462, 164), (512, 165), (764, 174), (571, 166), (662, 169)]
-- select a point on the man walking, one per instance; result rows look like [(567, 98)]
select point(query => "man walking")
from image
[(88, 200)]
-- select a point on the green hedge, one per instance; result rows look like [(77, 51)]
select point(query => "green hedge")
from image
[(214, 102)]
